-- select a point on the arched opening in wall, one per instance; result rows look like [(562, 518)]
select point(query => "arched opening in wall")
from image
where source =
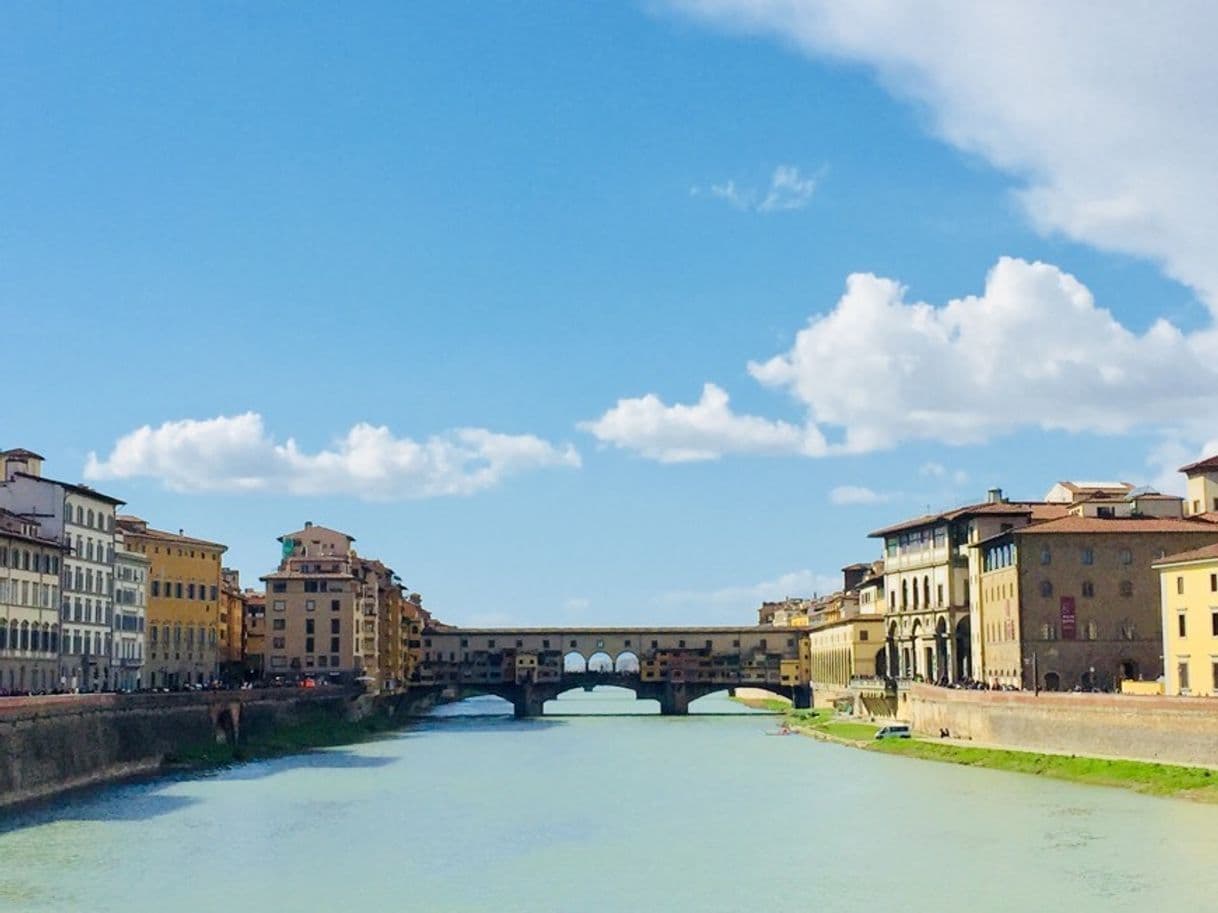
[(939, 674), (603, 700), (746, 700), (1129, 670), (574, 662), (964, 648), (600, 661), (881, 662), (626, 662), (474, 705), (226, 730), (1087, 680), (1053, 681)]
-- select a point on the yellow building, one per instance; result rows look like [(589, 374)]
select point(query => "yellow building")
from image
[(232, 625), (1189, 592), (183, 628)]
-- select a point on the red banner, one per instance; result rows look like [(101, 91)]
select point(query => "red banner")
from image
[(1069, 621)]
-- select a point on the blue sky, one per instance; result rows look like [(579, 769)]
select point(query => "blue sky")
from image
[(431, 217)]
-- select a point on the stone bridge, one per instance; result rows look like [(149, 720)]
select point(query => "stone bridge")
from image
[(529, 666)]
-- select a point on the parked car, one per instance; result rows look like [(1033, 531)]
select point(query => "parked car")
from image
[(894, 731)]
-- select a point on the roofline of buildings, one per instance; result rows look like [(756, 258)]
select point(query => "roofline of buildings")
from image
[(73, 486)]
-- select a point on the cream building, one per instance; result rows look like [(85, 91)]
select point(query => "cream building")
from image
[(29, 606), (1189, 603), (83, 520), (1202, 491), (850, 644), (130, 616), (929, 580)]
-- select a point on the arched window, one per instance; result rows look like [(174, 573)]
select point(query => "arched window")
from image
[(926, 592), (1046, 588), (1126, 587), (904, 594), (3, 637), (25, 635), (177, 634), (90, 517)]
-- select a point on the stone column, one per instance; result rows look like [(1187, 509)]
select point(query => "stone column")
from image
[(675, 701)]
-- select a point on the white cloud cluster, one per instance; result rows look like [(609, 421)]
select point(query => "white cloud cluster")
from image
[(1033, 350), (1107, 119), (236, 453), (705, 430), (852, 495), (788, 189)]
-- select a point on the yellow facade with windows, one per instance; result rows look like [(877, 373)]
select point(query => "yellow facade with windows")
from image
[(845, 649), (1189, 602), (184, 601)]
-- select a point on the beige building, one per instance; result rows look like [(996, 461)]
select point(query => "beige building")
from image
[(253, 652), (1201, 499), (321, 609), (29, 606), (231, 625), (929, 581), (851, 643), (1074, 602), (131, 575), (1189, 605)]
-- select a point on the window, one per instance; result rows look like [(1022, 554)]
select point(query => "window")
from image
[(213, 594), (1126, 587), (335, 625), (309, 627), (1046, 556), (190, 589), (1126, 556), (277, 642), (939, 594), (279, 624), (1182, 625), (1182, 674), (1214, 583), (863, 635), (1179, 585), (1046, 588), (1088, 556), (1088, 588), (334, 604), (1214, 622), (278, 605), (279, 586), (1214, 674), (334, 648), (177, 589), (309, 645), (310, 605)]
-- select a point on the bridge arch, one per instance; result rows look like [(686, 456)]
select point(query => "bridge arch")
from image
[(600, 661), (626, 661), (574, 661)]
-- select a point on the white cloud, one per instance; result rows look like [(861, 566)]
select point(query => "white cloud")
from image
[(788, 190), (236, 453), (1031, 351), (933, 470), (844, 495), (1107, 120), (704, 431)]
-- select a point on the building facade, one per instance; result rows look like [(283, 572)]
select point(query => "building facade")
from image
[(929, 581), (1201, 499), (1074, 603), (183, 629), (130, 616), (254, 634), (315, 608), (84, 521), (232, 626), (29, 606), (1188, 587)]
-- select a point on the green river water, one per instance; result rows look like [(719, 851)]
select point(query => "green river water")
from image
[(471, 811)]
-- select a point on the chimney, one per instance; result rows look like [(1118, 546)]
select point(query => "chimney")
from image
[(308, 524), (994, 496)]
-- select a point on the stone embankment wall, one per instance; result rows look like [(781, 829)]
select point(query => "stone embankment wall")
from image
[(1177, 730), (55, 743)]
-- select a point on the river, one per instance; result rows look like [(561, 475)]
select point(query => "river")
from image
[(472, 812)]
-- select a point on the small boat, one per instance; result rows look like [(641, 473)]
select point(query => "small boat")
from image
[(783, 731)]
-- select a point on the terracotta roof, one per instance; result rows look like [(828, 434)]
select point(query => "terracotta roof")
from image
[(992, 508), (1209, 516), (1076, 524), (135, 527), (1196, 554), (1209, 464)]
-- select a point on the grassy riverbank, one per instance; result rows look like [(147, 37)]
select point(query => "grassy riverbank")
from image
[(1195, 783), (321, 731)]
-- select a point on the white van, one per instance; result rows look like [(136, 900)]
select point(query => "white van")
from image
[(894, 731)]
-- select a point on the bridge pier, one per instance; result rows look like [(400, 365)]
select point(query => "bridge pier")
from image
[(801, 697), (675, 700), (528, 703)]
